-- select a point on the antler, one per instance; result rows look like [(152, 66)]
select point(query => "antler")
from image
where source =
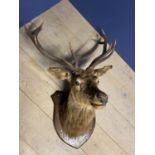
[(76, 63), (106, 53), (33, 32)]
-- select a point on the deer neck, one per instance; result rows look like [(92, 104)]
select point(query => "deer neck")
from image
[(78, 114), (78, 102)]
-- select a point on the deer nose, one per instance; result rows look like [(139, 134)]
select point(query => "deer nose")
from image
[(103, 98)]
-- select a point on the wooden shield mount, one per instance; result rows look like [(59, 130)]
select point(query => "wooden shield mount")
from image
[(58, 98)]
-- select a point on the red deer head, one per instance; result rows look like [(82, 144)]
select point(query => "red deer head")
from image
[(74, 109)]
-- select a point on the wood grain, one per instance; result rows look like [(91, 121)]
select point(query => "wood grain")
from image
[(114, 132), (25, 149), (30, 81)]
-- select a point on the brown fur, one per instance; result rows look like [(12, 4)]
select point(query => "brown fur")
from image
[(78, 115)]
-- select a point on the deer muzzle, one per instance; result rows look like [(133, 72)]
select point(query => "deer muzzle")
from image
[(98, 98), (102, 98)]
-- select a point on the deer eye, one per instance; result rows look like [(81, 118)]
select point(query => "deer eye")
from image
[(77, 82)]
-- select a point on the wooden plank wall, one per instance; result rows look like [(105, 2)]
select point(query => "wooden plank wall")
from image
[(114, 131)]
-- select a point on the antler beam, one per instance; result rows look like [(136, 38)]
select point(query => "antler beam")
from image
[(33, 32), (106, 53)]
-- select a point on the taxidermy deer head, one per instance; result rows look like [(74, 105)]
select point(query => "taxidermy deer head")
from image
[(74, 109)]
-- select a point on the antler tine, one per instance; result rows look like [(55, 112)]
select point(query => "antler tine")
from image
[(73, 55), (106, 53), (33, 32), (104, 42)]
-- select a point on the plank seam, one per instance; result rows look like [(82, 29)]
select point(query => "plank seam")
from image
[(122, 116), (52, 120), (35, 103), (41, 110), (23, 139), (57, 84), (112, 139)]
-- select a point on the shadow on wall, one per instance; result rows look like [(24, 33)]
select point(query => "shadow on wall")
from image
[(116, 18)]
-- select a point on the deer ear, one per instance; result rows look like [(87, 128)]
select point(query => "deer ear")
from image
[(101, 71), (60, 73)]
